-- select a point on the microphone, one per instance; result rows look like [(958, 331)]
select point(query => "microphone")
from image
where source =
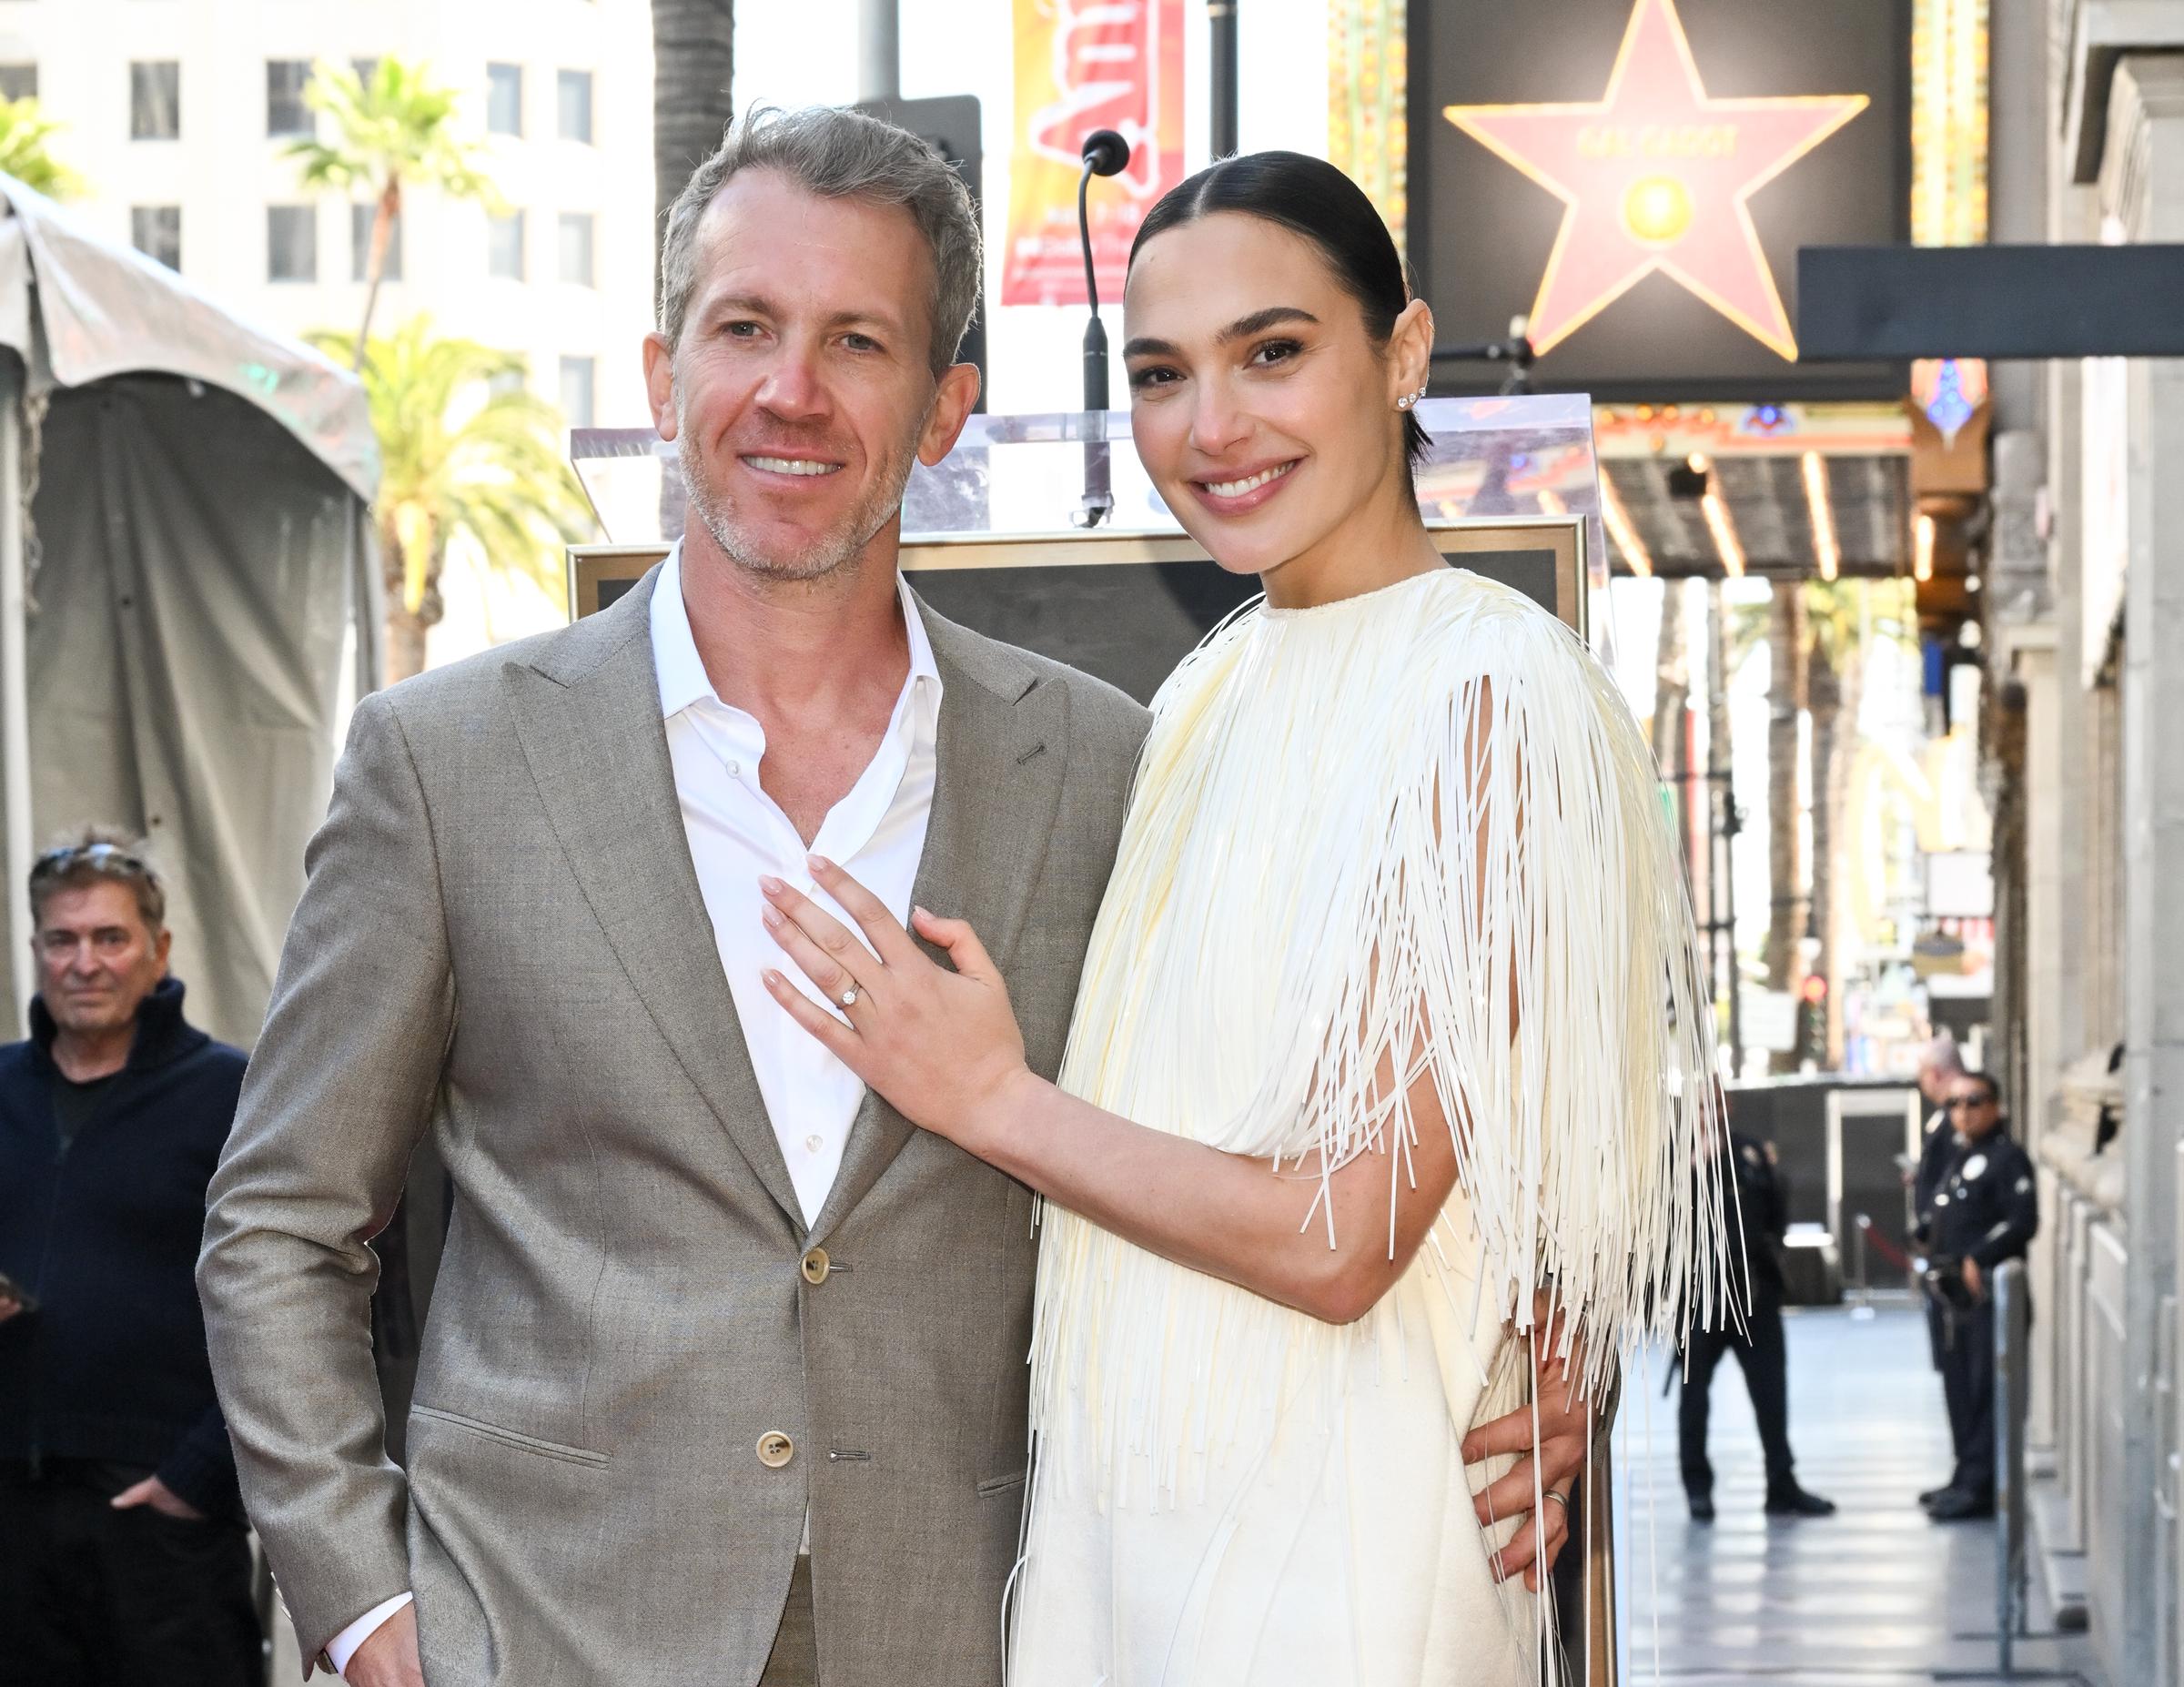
[(1105, 152)]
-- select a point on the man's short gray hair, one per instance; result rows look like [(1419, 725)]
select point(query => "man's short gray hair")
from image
[(837, 154)]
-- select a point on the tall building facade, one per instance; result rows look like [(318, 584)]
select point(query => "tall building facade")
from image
[(178, 113), (2085, 634)]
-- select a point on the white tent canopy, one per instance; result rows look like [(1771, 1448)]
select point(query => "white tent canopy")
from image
[(187, 575)]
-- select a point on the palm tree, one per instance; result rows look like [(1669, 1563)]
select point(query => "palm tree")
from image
[(1789, 654), (25, 129), (1842, 618), (393, 131), (462, 459), (1836, 685), (692, 53)]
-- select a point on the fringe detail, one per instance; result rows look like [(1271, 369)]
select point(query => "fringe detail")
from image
[(1377, 830)]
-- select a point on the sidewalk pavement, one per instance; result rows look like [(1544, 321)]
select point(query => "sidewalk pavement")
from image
[(1875, 1596)]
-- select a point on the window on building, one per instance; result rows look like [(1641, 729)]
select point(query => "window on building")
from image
[(576, 105), (291, 243), (576, 248), (359, 245), (155, 99), (18, 82), (285, 114), (579, 376), (504, 99), (504, 247), (501, 382), (155, 230)]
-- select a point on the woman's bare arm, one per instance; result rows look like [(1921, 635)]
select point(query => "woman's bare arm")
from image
[(945, 1049)]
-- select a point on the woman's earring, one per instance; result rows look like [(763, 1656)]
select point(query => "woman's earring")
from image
[(1404, 402)]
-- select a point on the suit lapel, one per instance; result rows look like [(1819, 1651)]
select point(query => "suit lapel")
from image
[(587, 714), (1003, 745)]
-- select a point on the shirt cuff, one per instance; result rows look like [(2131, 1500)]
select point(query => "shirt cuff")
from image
[(343, 1646)]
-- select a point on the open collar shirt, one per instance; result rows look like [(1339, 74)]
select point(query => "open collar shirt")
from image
[(736, 832)]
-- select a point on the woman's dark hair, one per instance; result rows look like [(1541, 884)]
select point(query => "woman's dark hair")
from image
[(1308, 196)]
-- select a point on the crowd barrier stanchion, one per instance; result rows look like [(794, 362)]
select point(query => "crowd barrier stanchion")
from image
[(2013, 1324)]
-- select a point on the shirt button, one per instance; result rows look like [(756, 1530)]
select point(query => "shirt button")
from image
[(816, 1267), (735, 770), (814, 1143), (775, 1450)]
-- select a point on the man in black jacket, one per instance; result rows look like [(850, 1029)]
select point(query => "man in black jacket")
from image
[(123, 1552), (1759, 1348), (1984, 1212)]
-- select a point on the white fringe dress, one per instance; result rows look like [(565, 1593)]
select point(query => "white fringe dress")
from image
[(1354, 826)]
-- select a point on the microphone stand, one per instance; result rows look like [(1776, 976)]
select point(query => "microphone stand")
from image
[(1100, 490)]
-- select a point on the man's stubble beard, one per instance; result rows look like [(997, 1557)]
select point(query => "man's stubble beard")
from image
[(832, 550)]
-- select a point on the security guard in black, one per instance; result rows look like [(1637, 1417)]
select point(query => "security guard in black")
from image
[(1758, 1347), (1985, 1213)]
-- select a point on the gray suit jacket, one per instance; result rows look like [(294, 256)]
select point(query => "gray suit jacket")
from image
[(501, 942)]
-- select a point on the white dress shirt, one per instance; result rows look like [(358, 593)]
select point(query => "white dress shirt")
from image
[(736, 832)]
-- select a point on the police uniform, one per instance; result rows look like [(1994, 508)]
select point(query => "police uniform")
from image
[(1986, 1209), (1758, 1348), (1936, 1155)]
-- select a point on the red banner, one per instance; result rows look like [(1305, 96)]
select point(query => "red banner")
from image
[(1086, 65)]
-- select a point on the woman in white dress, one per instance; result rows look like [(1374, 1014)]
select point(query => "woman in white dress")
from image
[(1391, 1034)]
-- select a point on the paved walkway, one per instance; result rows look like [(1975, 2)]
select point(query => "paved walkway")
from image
[(1875, 1596)]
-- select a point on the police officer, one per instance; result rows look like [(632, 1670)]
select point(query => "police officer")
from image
[(1985, 1213), (1758, 1348)]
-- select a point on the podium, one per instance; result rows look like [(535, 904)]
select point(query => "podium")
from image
[(991, 535)]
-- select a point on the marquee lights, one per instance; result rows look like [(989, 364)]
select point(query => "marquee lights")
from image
[(1656, 175)]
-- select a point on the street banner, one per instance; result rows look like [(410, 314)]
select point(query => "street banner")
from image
[(1086, 65)]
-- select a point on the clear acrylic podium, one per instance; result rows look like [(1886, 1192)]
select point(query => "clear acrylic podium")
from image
[(995, 536)]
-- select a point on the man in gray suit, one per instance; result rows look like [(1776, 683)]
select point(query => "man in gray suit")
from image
[(718, 1341)]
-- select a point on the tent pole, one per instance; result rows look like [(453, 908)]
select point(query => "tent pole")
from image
[(15, 692)]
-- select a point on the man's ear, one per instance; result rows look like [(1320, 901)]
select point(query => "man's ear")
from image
[(659, 383), (952, 403)]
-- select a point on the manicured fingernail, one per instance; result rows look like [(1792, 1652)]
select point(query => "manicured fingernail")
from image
[(771, 916), (770, 884), (772, 978), (819, 863)]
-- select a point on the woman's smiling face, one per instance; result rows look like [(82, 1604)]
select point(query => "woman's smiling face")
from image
[(1260, 405)]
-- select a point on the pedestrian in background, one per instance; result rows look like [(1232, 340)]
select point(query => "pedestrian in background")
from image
[(1985, 1213), (1939, 1067), (1759, 1348), (124, 1556)]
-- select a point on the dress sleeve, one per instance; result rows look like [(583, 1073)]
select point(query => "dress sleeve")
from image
[(1545, 972)]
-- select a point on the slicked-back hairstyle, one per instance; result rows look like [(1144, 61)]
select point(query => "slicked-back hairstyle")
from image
[(1311, 198), (837, 154), (98, 856)]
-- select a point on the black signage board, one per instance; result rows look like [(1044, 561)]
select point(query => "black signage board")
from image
[(1636, 177)]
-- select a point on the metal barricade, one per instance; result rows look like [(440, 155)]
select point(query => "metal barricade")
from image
[(2013, 1355)]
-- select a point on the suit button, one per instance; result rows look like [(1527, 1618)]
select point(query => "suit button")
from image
[(816, 1266), (775, 1450)]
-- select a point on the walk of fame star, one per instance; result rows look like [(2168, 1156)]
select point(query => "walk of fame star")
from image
[(1657, 177)]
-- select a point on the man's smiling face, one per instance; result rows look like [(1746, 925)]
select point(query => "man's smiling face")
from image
[(802, 384)]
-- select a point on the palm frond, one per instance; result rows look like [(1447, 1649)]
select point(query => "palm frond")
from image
[(463, 461)]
